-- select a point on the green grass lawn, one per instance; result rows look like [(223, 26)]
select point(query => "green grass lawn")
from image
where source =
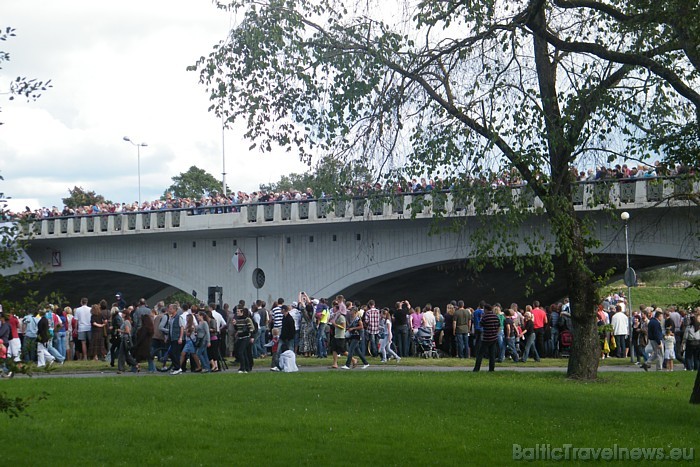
[(340, 418)]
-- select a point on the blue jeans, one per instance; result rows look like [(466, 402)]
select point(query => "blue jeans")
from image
[(621, 341), (462, 345), (297, 336), (555, 341), (530, 345), (59, 358), (59, 341), (692, 357), (321, 350), (501, 346), (373, 340), (402, 342), (203, 357), (353, 348), (260, 343), (510, 342)]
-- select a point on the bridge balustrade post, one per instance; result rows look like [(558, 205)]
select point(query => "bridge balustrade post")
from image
[(312, 210), (640, 192), (276, 212), (294, 212), (111, 224), (47, 227)]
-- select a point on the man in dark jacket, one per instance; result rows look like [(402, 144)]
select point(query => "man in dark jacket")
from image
[(656, 339), (43, 338), (288, 331)]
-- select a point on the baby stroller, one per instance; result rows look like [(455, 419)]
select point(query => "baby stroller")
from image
[(425, 346), (565, 340)]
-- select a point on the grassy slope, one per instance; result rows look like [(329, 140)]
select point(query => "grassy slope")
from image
[(353, 418)]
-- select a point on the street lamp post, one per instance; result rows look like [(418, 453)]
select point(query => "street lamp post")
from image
[(630, 280), (138, 159)]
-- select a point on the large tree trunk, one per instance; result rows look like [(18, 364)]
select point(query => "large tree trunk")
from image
[(695, 396), (583, 292)]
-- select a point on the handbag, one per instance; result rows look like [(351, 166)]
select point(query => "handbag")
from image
[(348, 334)]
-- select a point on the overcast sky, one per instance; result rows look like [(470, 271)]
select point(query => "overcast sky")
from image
[(117, 69)]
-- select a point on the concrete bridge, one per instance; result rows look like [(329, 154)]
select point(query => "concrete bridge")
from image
[(359, 247)]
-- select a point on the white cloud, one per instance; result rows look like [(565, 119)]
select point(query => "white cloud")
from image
[(117, 68)]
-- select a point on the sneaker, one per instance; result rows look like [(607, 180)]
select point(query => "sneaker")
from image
[(645, 367), (636, 363), (344, 367), (398, 359), (176, 372), (365, 366), (240, 372), (382, 361), (274, 368), (10, 374)]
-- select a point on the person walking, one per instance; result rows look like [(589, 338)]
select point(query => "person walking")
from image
[(656, 338), (355, 329), (530, 338), (385, 333)]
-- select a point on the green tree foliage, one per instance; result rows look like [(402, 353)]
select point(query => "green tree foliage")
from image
[(463, 91), (329, 176), (194, 183), (29, 88), (659, 36), (79, 197)]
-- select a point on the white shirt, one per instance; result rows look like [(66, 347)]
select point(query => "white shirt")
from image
[(220, 321), (296, 314), (82, 314), (620, 324)]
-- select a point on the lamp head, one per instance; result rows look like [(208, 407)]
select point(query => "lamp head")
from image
[(625, 216), (126, 138)]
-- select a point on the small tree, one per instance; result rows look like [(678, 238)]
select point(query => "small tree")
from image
[(194, 183), (79, 197)]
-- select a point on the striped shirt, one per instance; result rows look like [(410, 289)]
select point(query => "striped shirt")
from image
[(490, 325), (277, 316)]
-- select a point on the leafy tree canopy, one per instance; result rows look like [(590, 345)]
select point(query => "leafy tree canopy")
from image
[(79, 197), (329, 176), (194, 183)]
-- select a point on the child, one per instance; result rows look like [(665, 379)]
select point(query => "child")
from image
[(669, 352), (274, 342)]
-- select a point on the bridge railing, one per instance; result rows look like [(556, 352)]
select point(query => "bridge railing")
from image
[(625, 193)]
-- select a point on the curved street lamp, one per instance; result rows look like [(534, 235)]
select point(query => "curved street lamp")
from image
[(138, 158)]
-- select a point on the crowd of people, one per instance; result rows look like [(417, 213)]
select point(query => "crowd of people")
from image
[(205, 335), (218, 203)]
